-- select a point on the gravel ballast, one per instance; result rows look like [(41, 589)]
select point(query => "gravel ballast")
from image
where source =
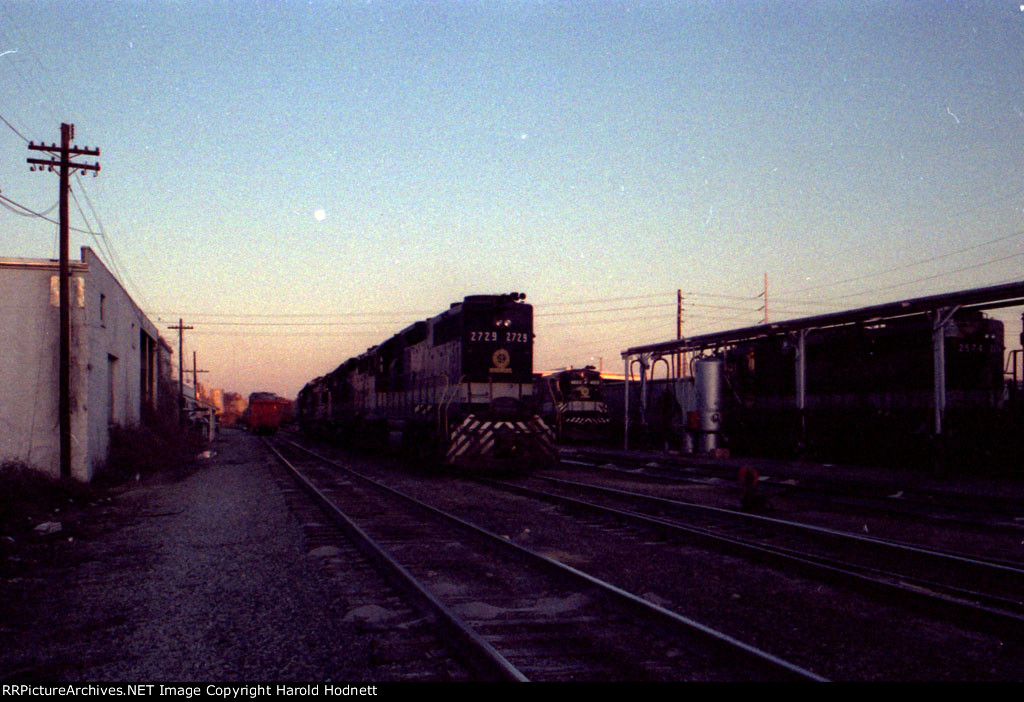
[(202, 578)]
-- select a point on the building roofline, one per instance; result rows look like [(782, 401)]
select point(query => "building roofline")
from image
[(45, 263), (76, 266)]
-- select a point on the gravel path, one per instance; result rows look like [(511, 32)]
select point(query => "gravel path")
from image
[(204, 578)]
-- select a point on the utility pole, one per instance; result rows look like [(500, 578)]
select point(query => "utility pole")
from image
[(766, 298), (679, 332), (195, 373), (181, 328), (64, 167)]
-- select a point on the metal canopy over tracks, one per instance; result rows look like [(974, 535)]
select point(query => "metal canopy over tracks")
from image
[(938, 308)]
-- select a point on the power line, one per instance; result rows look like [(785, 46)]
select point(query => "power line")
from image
[(606, 299), (99, 246), (41, 215), (723, 296), (125, 276), (287, 324), (105, 247), (35, 57), (291, 314), (29, 212), (604, 309), (908, 265), (547, 325), (13, 129), (422, 313), (318, 335), (932, 277)]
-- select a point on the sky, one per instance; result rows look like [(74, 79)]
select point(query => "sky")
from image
[(300, 180)]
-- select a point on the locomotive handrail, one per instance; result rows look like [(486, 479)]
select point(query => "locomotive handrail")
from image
[(448, 402), (444, 393)]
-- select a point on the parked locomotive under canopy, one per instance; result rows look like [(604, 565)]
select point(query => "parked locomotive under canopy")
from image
[(881, 365), (870, 394)]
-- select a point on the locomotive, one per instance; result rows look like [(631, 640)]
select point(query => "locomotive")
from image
[(868, 380), (572, 402), (457, 386)]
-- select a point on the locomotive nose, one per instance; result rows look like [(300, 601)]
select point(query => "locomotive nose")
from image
[(506, 408)]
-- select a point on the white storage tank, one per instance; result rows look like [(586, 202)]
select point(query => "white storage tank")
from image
[(708, 373)]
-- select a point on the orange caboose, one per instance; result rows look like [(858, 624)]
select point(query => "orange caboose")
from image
[(267, 413)]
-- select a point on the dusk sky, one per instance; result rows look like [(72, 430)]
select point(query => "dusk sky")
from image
[(300, 180)]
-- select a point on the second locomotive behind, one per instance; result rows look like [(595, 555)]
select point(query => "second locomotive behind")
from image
[(457, 386), (573, 404)]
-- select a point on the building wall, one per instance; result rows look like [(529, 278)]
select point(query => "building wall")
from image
[(29, 353), (120, 339), (113, 363)]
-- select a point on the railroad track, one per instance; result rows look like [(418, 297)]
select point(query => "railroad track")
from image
[(891, 499), (512, 613), (403, 634), (976, 593)]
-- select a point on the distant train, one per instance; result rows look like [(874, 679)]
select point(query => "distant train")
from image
[(266, 412), (457, 386), (572, 402)]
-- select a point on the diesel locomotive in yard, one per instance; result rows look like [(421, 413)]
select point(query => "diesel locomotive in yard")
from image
[(870, 392), (457, 386), (572, 402)]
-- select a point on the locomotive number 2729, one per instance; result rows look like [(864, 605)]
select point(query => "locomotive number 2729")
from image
[(513, 337)]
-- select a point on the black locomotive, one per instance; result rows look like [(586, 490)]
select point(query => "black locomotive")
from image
[(870, 392), (572, 402), (457, 386)]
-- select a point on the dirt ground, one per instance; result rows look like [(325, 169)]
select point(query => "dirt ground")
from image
[(198, 576)]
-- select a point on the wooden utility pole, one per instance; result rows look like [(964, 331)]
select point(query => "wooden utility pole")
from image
[(64, 167), (195, 374), (181, 328), (766, 298), (679, 332)]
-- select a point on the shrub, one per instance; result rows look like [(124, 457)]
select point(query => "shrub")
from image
[(28, 496)]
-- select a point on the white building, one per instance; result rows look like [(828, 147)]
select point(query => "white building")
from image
[(114, 362)]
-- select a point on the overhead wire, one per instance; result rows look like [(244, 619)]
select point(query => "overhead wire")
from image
[(414, 313), (28, 211), (111, 264), (42, 215), (290, 314), (126, 279), (913, 264), (13, 129), (932, 277), (600, 300), (49, 101)]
